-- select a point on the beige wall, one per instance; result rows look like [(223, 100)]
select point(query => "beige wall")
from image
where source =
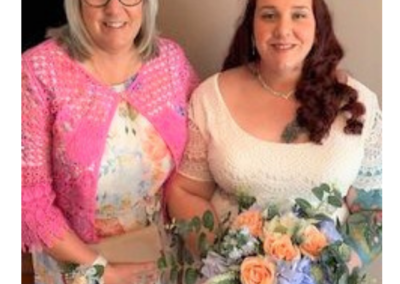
[(205, 27), (359, 27)]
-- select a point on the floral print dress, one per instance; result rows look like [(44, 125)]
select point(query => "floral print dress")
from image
[(135, 164)]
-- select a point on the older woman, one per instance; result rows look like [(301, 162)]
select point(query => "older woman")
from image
[(281, 119), (103, 125)]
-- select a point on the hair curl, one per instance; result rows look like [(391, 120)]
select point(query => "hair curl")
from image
[(321, 94)]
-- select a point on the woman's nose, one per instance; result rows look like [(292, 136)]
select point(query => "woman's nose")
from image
[(113, 5), (283, 28)]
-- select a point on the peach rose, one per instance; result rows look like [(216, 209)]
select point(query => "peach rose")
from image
[(251, 220), (313, 241), (257, 270), (280, 246)]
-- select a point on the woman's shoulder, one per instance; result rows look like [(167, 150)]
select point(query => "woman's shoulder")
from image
[(169, 47), (215, 83), (43, 50), (207, 88), (235, 75), (365, 94), (370, 101), (46, 58)]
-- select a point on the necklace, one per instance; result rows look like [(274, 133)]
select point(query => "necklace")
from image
[(286, 95)]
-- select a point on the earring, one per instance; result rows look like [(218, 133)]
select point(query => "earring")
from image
[(253, 47)]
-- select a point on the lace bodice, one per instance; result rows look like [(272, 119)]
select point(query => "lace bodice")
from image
[(221, 151)]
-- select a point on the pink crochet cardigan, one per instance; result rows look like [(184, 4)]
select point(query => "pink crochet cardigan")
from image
[(66, 115)]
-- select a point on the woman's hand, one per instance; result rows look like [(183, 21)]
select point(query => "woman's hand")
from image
[(354, 261), (129, 273)]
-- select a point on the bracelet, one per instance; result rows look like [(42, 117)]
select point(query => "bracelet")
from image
[(88, 274)]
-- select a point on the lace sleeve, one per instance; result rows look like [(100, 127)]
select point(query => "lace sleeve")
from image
[(364, 224), (41, 220), (370, 174), (194, 163)]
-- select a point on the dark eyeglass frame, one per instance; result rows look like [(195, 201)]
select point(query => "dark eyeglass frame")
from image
[(108, 1)]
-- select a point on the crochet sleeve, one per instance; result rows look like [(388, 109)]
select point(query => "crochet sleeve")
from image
[(195, 158), (364, 225), (42, 221)]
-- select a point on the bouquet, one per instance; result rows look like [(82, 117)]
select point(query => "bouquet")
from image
[(281, 244)]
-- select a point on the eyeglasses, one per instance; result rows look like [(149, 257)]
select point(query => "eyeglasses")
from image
[(103, 3)]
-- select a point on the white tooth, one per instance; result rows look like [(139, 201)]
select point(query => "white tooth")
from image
[(115, 24), (283, 46)]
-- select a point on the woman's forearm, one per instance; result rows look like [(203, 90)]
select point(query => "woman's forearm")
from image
[(364, 225), (72, 249), (184, 206)]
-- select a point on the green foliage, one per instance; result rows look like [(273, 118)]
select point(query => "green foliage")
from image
[(317, 273), (162, 263), (182, 267), (318, 192), (335, 201), (327, 195), (191, 275), (244, 200), (272, 211), (196, 224), (174, 274), (202, 244), (305, 206), (208, 220), (179, 265), (335, 264)]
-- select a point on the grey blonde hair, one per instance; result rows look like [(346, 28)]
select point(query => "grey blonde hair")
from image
[(77, 41)]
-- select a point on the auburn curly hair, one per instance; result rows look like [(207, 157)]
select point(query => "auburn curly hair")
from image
[(321, 94)]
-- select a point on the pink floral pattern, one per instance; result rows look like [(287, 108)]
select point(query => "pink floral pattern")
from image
[(135, 164)]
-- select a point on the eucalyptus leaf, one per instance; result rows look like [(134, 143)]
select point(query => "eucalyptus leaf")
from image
[(245, 201), (196, 224), (273, 211), (335, 201), (190, 275), (321, 217), (305, 206), (99, 269), (173, 277), (208, 220), (337, 193), (325, 187), (172, 261), (187, 256), (303, 203), (162, 263), (202, 243), (318, 192)]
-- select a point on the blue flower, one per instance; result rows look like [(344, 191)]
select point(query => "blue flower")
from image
[(214, 264), (327, 227), (296, 273)]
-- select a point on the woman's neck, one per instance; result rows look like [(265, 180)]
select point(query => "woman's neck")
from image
[(114, 68), (279, 80)]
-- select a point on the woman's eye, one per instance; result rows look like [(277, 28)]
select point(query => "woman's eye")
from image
[(297, 16), (268, 16)]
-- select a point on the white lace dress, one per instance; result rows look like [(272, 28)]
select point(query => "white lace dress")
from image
[(220, 150)]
